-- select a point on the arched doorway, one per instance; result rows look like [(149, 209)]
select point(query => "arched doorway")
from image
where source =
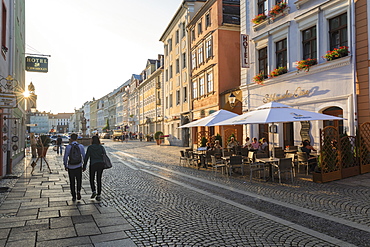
[(334, 111)]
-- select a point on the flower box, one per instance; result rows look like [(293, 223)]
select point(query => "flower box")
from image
[(304, 65), (259, 78), (277, 9), (278, 71), (259, 19), (336, 53)]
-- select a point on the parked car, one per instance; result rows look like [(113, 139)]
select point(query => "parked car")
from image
[(53, 138), (104, 136)]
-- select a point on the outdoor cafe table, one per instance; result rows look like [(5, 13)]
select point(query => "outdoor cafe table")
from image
[(271, 162)]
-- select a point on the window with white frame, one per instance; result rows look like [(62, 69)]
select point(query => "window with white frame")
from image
[(209, 82), (281, 53), (200, 54), (195, 89), (338, 31), (262, 61), (201, 86), (193, 59), (261, 7), (309, 43), (209, 52)]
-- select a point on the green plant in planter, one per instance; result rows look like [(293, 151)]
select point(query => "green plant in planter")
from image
[(158, 135), (44, 140), (278, 71), (336, 53), (203, 142)]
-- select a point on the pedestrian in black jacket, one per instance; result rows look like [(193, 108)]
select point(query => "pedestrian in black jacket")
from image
[(95, 153)]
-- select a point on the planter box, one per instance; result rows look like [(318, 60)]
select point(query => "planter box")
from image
[(318, 177), (350, 171)]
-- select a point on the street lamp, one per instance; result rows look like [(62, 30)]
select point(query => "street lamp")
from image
[(232, 99)]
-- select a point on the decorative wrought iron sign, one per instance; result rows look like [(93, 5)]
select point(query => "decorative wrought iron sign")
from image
[(37, 64)]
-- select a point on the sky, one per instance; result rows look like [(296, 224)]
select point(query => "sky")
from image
[(94, 46)]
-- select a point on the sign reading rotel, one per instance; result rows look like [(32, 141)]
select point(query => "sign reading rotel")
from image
[(37, 64)]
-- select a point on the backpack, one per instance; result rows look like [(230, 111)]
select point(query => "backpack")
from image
[(75, 157)]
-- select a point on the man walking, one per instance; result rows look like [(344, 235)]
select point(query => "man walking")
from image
[(59, 145), (73, 160)]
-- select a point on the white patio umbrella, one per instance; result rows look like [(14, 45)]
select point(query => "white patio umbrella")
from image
[(212, 119), (274, 112)]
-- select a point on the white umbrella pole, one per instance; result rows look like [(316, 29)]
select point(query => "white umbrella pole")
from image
[(273, 141)]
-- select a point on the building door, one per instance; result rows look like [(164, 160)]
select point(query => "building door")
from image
[(337, 112), (288, 134)]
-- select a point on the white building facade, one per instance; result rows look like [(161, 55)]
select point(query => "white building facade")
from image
[(303, 30)]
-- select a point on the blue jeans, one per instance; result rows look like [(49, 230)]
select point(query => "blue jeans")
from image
[(59, 149)]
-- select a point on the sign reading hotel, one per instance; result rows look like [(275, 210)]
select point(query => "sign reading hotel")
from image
[(244, 45), (37, 64)]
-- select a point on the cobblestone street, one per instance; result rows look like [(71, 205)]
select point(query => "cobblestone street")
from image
[(171, 205)]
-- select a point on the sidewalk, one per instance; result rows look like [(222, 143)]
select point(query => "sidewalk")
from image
[(39, 211)]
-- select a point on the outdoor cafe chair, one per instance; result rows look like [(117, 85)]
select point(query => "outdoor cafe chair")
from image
[(293, 157), (227, 153), (302, 159), (279, 153), (190, 157), (244, 152), (217, 163), (285, 165), (235, 161), (255, 166), (183, 158)]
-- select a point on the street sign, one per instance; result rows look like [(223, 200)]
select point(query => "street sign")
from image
[(8, 100)]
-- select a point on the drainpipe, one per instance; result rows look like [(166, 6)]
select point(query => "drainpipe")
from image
[(353, 41)]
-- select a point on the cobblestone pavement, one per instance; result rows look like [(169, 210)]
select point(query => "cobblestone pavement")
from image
[(171, 205)]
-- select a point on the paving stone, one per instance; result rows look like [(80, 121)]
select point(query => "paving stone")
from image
[(87, 229), (61, 222), (76, 241), (37, 222), (25, 242), (108, 237), (122, 242), (58, 233), (26, 212), (116, 228), (70, 212), (4, 233), (16, 236), (110, 221), (12, 224), (28, 228), (48, 214), (82, 219)]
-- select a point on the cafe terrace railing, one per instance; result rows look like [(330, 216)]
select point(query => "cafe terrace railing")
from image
[(343, 156)]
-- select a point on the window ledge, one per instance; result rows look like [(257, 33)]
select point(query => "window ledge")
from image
[(299, 3), (340, 62)]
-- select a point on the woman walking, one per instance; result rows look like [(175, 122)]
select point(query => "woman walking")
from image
[(95, 153)]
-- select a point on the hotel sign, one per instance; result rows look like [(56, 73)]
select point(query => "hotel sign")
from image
[(37, 64), (244, 45)]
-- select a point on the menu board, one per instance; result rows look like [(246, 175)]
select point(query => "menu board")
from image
[(305, 130)]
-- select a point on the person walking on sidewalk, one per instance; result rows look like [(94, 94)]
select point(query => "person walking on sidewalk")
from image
[(95, 154), (73, 159), (59, 145)]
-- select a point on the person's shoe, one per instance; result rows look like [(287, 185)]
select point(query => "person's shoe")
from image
[(74, 199), (98, 198), (93, 195), (78, 196)]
